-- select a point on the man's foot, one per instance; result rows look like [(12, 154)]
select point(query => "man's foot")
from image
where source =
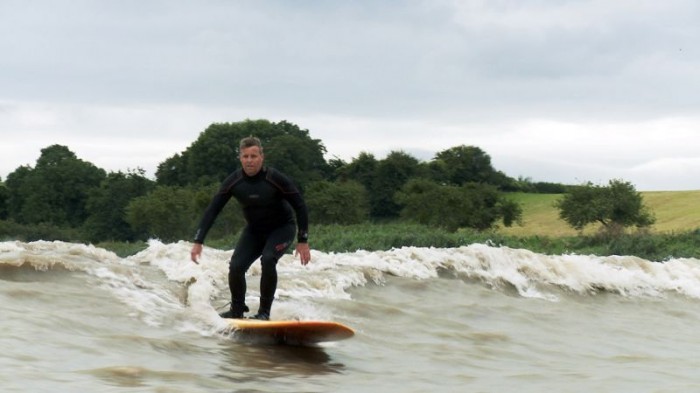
[(261, 316), (231, 314), (234, 314)]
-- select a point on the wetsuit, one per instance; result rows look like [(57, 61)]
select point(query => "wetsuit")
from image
[(270, 201)]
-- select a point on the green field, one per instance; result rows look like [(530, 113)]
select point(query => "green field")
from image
[(675, 211)]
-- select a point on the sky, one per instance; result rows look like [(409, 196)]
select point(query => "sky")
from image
[(554, 91)]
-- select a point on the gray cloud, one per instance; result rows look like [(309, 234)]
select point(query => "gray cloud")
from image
[(437, 73)]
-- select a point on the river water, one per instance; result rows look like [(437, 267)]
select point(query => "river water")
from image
[(480, 318)]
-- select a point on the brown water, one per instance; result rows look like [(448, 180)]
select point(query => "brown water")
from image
[(473, 319)]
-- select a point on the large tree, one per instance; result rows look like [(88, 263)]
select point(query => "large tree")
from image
[(467, 164), (615, 206), (214, 154), (55, 191)]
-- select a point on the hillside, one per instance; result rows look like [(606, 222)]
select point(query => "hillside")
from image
[(675, 211)]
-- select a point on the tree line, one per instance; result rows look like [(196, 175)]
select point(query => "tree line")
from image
[(63, 197)]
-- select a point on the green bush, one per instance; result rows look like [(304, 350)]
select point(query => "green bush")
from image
[(10, 230)]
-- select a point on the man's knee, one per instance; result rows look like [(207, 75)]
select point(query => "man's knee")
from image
[(236, 268), (268, 261)]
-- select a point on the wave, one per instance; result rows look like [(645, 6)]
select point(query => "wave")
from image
[(162, 280)]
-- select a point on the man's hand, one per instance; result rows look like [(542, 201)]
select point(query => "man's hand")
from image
[(196, 252), (303, 252)]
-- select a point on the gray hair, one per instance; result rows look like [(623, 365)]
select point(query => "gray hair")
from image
[(250, 141)]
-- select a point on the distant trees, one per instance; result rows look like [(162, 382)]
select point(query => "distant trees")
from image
[(458, 188), (454, 190), (523, 184), (616, 206)]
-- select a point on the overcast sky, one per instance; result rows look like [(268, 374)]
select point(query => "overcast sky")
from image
[(558, 91)]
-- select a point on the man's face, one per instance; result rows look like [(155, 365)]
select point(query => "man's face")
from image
[(251, 160)]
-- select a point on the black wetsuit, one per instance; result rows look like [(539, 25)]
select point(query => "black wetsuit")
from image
[(270, 201)]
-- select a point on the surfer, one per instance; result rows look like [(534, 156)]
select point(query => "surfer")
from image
[(270, 202)]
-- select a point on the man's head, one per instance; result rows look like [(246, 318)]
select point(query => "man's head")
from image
[(251, 155)]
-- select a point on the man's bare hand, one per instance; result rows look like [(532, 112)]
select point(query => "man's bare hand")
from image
[(304, 253), (196, 252)]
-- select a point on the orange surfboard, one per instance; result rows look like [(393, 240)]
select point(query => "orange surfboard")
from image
[(289, 332)]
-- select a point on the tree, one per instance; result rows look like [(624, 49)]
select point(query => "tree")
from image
[(173, 171), (468, 164), (4, 196), (362, 169), (340, 203), (463, 164), (166, 213), (336, 165), (297, 158), (214, 154), (472, 205), (391, 174), (616, 206), (106, 206), (15, 192), (55, 191)]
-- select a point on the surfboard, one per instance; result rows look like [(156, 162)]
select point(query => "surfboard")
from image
[(290, 332)]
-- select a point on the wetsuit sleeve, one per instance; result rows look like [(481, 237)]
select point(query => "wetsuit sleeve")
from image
[(291, 194), (212, 211), (302, 214), (210, 214)]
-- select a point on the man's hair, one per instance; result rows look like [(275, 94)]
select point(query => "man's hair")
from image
[(249, 141)]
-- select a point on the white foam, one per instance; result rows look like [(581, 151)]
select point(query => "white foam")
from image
[(162, 281)]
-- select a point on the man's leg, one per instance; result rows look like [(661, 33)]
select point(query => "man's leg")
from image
[(277, 244), (248, 249)]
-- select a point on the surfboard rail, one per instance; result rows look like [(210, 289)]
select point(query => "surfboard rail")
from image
[(295, 332)]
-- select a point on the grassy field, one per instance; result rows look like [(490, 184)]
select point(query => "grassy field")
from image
[(675, 211)]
